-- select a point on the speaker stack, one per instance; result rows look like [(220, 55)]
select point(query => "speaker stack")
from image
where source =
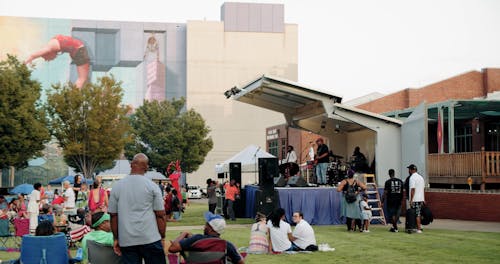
[(235, 171), (267, 197)]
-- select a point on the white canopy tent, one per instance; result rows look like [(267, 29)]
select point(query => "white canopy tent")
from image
[(248, 158)]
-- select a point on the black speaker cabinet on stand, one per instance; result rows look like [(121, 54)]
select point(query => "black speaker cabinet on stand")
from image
[(266, 198)]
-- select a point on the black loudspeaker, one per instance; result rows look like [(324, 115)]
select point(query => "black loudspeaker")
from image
[(266, 201), (268, 170), (235, 171), (297, 182), (280, 181)]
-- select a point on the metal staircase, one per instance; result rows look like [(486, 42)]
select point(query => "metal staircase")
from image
[(374, 199)]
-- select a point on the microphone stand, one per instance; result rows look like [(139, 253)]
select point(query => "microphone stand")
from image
[(255, 159)]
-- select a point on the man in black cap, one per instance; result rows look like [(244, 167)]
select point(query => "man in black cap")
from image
[(416, 186)]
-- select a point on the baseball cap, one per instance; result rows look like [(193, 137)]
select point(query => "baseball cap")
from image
[(412, 167), (216, 222)]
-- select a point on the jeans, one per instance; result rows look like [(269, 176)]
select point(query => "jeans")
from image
[(321, 172), (230, 209), (177, 215), (211, 207), (151, 253)]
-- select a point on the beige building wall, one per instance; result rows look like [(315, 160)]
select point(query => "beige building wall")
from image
[(219, 60)]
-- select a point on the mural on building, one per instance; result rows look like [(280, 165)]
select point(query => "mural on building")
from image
[(60, 50), (80, 51)]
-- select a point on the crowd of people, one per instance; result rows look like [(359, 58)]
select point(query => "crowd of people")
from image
[(132, 218)]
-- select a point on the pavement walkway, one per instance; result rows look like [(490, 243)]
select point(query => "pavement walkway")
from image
[(447, 224)]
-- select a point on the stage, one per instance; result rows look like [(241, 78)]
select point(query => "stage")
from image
[(320, 205)]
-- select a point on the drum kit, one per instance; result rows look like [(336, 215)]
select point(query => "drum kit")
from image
[(336, 170)]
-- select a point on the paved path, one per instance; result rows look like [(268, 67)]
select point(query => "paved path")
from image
[(447, 224), (463, 225)]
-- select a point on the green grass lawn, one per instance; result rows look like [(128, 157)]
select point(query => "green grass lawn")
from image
[(378, 246)]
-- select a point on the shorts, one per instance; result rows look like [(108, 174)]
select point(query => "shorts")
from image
[(394, 211), (81, 56), (418, 207)]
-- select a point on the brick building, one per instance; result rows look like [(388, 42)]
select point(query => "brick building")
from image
[(466, 111), (469, 85)]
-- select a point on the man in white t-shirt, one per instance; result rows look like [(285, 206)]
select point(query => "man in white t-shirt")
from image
[(303, 233), (69, 196), (34, 206), (417, 199)]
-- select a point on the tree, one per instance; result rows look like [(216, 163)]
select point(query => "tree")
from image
[(23, 130), (90, 124), (164, 132)]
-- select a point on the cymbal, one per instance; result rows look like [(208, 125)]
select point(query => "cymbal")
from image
[(336, 156)]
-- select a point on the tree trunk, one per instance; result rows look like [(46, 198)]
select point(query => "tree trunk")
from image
[(12, 172)]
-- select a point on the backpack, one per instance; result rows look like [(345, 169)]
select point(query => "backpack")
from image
[(350, 194)]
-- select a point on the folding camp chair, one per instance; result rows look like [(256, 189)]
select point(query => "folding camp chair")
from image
[(46, 250), (5, 234), (206, 251), (101, 254), (22, 226)]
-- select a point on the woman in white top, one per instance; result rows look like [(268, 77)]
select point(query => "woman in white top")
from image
[(280, 232), (34, 206)]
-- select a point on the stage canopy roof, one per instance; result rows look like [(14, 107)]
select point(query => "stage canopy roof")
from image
[(321, 112)]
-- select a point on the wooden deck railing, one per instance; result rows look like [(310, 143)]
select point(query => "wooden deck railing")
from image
[(483, 167)]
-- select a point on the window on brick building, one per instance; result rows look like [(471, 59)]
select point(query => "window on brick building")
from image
[(283, 148), (273, 147), (492, 137), (463, 138)]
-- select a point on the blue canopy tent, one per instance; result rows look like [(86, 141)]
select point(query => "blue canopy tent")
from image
[(22, 188), (69, 178)]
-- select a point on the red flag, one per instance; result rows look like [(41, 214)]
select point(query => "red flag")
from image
[(440, 133)]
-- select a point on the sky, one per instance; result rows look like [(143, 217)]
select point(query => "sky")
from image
[(350, 47)]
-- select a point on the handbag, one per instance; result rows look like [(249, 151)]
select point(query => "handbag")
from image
[(426, 215)]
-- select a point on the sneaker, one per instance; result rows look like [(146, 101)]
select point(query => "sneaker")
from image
[(395, 231), (419, 231), (366, 231), (392, 230)]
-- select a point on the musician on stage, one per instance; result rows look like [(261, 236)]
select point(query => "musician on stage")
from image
[(321, 160), (359, 162), (291, 156)]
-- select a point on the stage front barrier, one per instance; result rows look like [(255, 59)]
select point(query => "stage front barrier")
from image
[(320, 206)]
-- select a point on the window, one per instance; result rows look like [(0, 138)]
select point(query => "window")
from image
[(492, 137), (273, 147), (283, 148), (463, 138)]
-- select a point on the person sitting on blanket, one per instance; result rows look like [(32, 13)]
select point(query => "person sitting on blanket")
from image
[(102, 232), (214, 227)]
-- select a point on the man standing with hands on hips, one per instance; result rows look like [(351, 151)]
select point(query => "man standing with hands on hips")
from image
[(138, 216)]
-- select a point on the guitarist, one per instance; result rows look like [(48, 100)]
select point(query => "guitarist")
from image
[(321, 161)]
